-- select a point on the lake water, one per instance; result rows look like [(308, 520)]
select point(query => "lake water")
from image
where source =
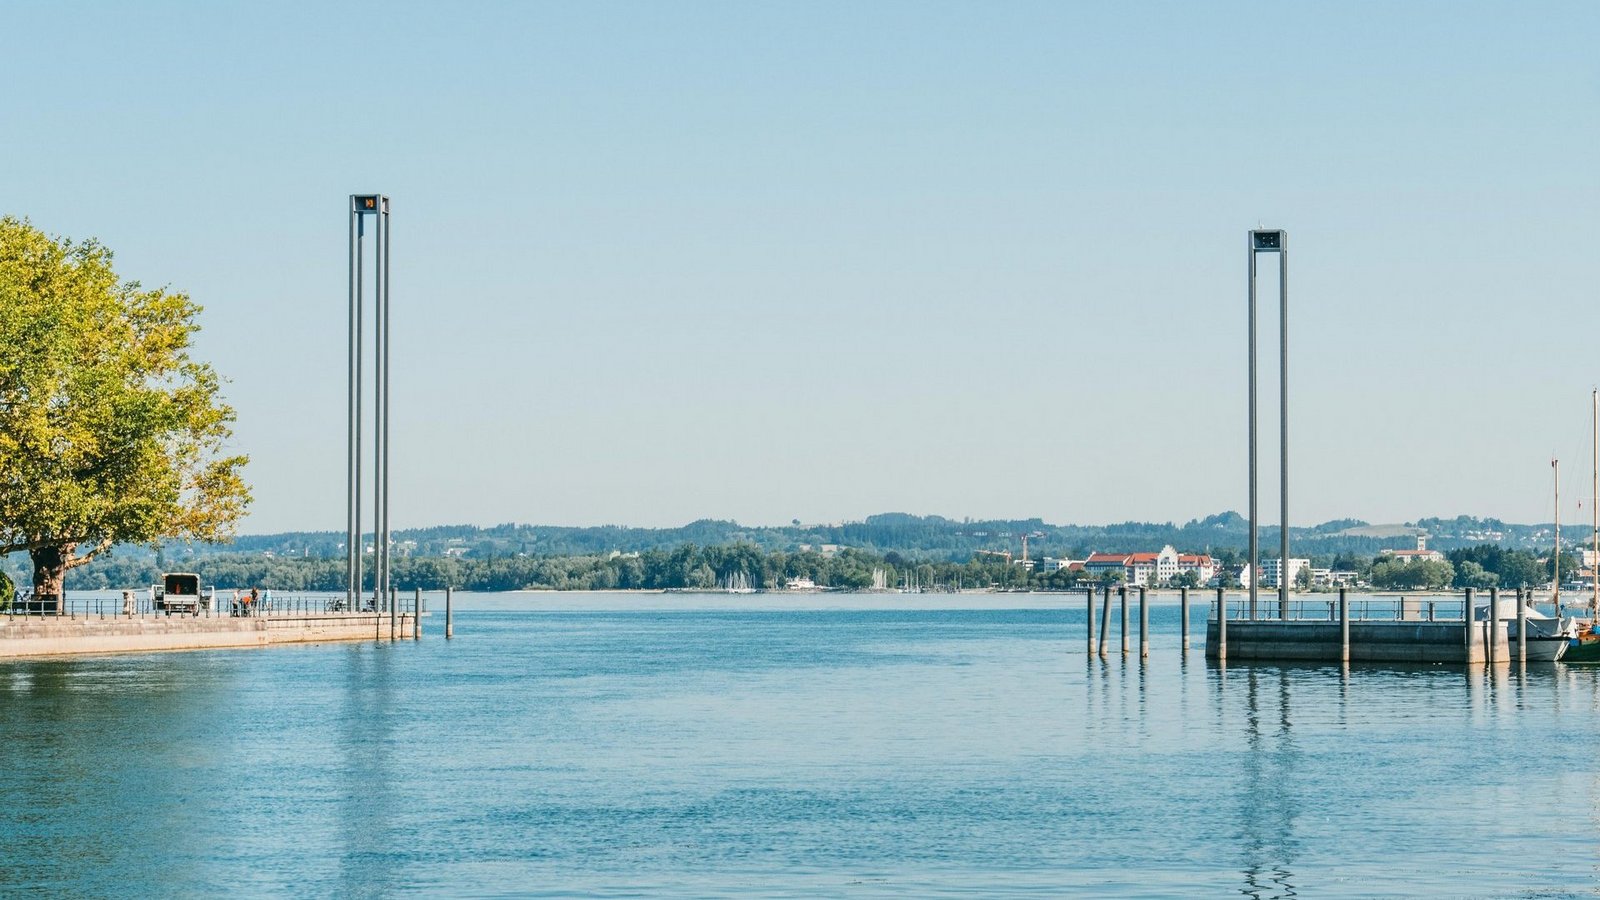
[(818, 746)]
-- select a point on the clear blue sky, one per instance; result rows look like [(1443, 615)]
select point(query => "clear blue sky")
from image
[(654, 262)]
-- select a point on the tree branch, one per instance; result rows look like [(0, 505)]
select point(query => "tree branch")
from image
[(26, 545), (72, 562)]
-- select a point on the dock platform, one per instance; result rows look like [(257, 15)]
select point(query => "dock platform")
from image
[(26, 636), (1370, 641)]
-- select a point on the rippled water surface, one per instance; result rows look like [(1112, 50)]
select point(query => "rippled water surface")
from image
[(698, 746)]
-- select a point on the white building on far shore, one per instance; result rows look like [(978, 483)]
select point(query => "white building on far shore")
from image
[(1421, 554), (1272, 568)]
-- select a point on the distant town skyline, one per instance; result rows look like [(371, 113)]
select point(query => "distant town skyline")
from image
[(764, 262)]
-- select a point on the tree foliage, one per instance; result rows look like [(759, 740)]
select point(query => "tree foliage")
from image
[(110, 431), (1421, 575), (688, 567), (1490, 565)]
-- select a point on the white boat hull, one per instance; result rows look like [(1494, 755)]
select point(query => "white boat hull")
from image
[(1540, 649)]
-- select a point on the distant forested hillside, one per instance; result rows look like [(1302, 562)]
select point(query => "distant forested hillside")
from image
[(924, 537), (912, 537)]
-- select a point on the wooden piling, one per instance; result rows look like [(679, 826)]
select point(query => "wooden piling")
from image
[(450, 622), (1466, 623), (1122, 599), (1183, 606), (392, 597), (416, 616), (1144, 626), (1088, 622), (1105, 620), (1344, 625)]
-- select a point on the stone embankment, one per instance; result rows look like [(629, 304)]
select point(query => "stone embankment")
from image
[(60, 635)]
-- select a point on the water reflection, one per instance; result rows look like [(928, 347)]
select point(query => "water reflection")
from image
[(1344, 693), (1267, 797), (366, 803)]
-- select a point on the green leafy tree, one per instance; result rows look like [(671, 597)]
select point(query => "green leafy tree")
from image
[(1423, 575), (1519, 568), (1349, 562), (1472, 575), (1569, 566), (110, 432), (703, 576)]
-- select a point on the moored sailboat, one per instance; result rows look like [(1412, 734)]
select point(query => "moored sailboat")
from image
[(1584, 643), (1547, 641)]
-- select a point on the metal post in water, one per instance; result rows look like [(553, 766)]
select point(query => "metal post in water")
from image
[(1488, 651), (1263, 240), (1105, 620), (1522, 629), (1222, 625), (353, 463), (1255, 481), (1122, 599), (382, 296), (416, 616), (1283, 425), (1144, 625), (360, 206), (1344, 625), (450, 622), (1494, 625), (1466, 623), (391, 599), (380, 583), (1183, 603), (1088, 595)]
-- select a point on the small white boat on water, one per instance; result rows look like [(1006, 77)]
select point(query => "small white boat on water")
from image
[(1547, 638)]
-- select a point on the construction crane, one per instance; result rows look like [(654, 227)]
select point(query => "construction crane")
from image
[(1005, 554)]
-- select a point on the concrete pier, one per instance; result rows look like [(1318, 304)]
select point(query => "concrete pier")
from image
[(1369, 641), (56, 636)]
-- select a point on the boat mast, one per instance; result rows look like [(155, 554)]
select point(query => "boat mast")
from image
[(1594, 504), (1556, 559)]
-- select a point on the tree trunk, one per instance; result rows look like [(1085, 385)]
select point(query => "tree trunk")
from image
[(49, 571)]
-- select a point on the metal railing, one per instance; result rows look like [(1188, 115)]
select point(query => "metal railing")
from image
[(219, 604), (1325, 608), (1362, 609)]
